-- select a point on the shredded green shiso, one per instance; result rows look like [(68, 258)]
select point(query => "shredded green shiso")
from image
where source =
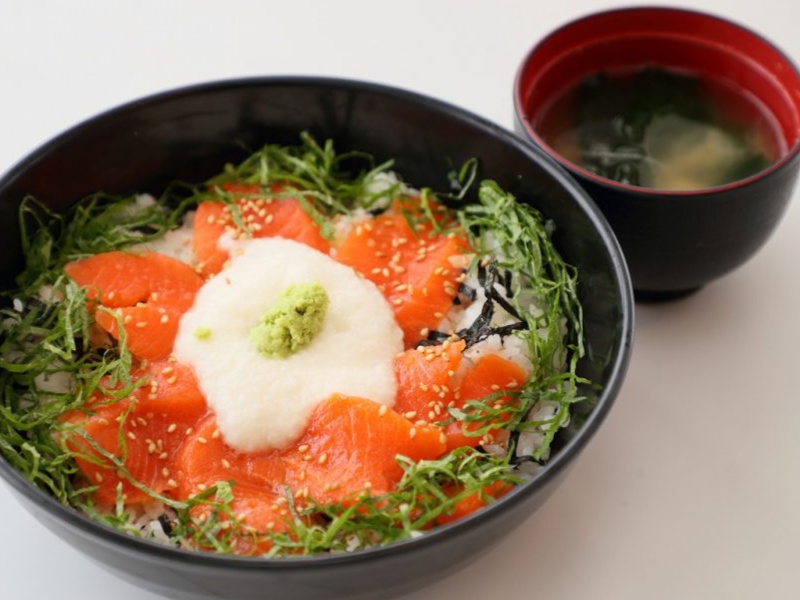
[(48, 366)]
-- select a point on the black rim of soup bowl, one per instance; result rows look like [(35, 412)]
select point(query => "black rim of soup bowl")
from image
[(188, 574), (623, 204)]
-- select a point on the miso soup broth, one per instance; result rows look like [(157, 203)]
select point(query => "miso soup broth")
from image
[(661, 129)]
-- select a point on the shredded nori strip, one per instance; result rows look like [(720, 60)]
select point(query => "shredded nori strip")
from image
[(469, 292), (495, 295), (518, 460), (480, 329), (166, 523)]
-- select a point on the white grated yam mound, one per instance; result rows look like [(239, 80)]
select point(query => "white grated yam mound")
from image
[(265, 403)]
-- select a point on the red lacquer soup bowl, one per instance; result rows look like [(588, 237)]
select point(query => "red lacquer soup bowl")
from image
[(674, 241)]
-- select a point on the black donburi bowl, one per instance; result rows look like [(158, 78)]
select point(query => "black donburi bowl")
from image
[(189, 134)]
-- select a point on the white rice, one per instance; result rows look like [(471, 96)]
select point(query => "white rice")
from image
[(384, 182), (176, 243), (345, 225), (146, 521), (59, 382)]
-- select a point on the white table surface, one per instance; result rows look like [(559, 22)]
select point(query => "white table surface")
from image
[(692, 487)]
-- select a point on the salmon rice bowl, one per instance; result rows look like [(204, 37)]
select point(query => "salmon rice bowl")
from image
[(304, 354)]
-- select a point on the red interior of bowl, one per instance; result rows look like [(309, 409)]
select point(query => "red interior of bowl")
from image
[(682, 40)]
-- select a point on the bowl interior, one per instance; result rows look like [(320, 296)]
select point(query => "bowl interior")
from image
[(188, 135)]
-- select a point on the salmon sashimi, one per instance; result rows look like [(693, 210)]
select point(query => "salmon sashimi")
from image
[(146, 293), (258, 514), (143, 429), (349, 448), (431, 381), (259, 504), (262, 216), (486, 380), (425, 381), (205, 459), (471, 502), (418, 272)]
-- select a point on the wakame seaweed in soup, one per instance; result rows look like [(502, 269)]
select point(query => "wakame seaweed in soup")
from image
[(661, 129)]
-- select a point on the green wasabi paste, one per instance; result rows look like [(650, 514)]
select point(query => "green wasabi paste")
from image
[(202, 333), (292, 322)]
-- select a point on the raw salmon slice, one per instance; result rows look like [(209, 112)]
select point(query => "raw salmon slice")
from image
[(205, 459), (425, 381), (145, 293), (263, 217), (431, 380), (471, 502), (145, 428), (259, 504), (418, 271), (488, 378), (350, 447)]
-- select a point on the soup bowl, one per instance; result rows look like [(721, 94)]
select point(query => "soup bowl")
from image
[(675, 241), (188, 134)]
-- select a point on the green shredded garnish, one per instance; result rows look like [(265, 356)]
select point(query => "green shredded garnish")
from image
[(543, 292), (50, 366), (324, 182)]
